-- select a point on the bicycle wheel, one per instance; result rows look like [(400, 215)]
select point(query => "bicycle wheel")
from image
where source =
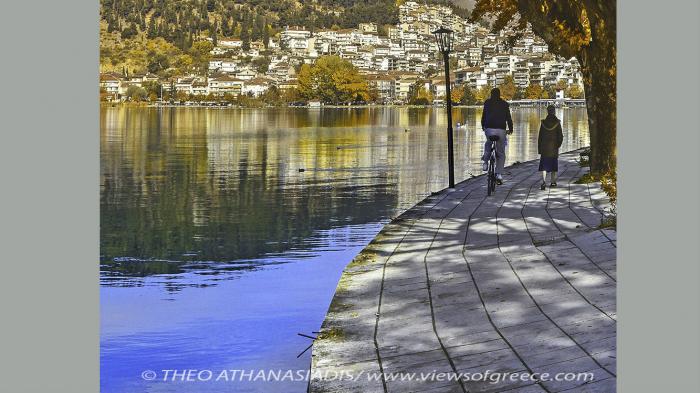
[(490, 179)]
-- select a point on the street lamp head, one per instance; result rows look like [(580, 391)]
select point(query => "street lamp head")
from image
[(444, 38)]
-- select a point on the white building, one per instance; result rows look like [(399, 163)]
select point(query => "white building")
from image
[(245, 74), (368, 28), (110, 83), (229, 43), (255, 87), (225, 84), (295, 38)]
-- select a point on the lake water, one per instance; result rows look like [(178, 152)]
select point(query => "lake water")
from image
[(224, 231)]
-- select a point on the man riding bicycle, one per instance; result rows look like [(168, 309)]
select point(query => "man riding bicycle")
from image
[(494, 119)]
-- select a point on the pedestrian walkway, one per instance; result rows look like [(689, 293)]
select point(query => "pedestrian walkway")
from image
[(522, 281)]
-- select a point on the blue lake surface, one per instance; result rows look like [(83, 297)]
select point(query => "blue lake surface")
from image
[(224, 231)]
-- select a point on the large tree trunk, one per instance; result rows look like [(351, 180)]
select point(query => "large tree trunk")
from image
[(599, 66), (600, 88)]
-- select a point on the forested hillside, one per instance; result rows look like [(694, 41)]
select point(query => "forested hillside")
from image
[(159, 34), (182, 21)]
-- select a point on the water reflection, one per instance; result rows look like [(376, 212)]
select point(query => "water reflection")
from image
[(217, 250), (194, 184)]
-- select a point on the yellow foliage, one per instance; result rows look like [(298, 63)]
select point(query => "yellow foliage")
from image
[(332, 79), (457, 94), (482, 94), (609, 184)]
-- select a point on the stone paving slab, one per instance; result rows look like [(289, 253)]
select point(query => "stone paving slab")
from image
[(522, 281)]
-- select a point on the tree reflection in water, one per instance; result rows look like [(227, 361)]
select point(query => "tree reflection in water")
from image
[(209, 191)]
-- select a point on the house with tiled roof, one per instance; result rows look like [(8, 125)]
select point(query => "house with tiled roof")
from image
[(111, 84)]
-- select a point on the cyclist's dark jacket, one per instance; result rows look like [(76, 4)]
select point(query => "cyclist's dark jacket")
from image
[(496, 114), (550, 138)]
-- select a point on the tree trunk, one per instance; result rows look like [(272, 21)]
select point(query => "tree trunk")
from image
[(585, 29), (599, 66), (600, 88)]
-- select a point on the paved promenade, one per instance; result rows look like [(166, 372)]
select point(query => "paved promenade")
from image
[(521, 281)]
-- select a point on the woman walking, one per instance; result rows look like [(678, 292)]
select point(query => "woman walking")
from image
[(548, 144)]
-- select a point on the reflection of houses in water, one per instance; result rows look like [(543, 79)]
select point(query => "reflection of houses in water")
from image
[(228, 181)]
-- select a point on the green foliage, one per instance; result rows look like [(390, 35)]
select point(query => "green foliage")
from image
[(380, 12), (136, 93), (424, 97), (245, 34), (332, 80), (468, 96), (152, 87), (129, 32), (181, 22), (418, 95), (608, 222), (261, 64), (214, 36), (200, 55), (184, 64), (550, 92), (272, 96), (250, 101), (266, 36), (181, 96), (155, 55), (430, 71), (291, 95), (157, 62)]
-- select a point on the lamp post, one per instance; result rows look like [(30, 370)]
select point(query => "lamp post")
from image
[(444, 38)]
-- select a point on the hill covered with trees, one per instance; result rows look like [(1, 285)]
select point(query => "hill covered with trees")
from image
[(168, 29)]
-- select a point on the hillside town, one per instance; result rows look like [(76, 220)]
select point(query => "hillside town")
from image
[(392, 59)]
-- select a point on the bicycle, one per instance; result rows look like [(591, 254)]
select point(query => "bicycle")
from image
[(491, 174)]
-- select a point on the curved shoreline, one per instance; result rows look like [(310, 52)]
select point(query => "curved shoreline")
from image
[(349, 339)]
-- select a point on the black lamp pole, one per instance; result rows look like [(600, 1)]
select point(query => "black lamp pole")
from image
[(444, 41)]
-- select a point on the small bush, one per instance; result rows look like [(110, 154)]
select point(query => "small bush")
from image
[(609, 184), (421, 101), (608, 222)]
